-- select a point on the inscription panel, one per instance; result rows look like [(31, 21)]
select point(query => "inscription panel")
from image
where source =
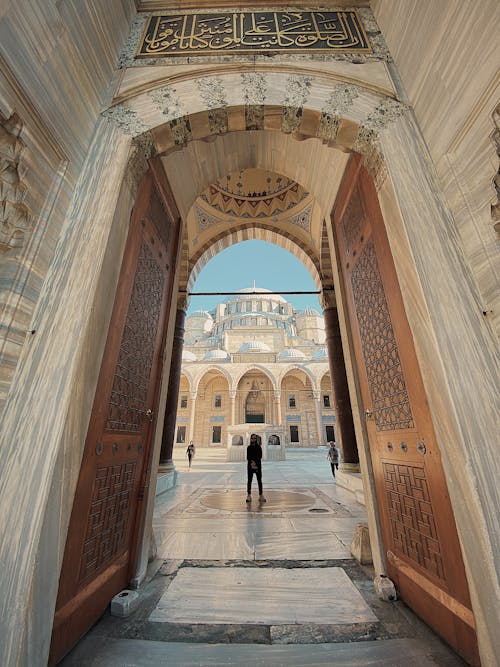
[(411, 517), (244, 32), (127, 404), (390, 401), (108, 519)]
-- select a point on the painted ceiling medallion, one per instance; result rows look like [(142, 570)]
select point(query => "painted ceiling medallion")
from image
[(254, 193)]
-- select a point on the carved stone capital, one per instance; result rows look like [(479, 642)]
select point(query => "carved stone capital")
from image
[(15, 216), (143, 148), (328, 299)]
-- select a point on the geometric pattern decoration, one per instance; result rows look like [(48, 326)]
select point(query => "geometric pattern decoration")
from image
[(107, 523), (390, 401), (411, 516), (353, 219), (253, 193), (204, 219), (127, 404), (302, 219)]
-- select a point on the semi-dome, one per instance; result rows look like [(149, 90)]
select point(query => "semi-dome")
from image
[(321, 354), (254, 346), (291, 353), (188, 356), (308, 312), (201, 313), (216, 355)]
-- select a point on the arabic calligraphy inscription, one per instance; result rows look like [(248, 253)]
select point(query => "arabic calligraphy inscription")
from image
[(243, 32)]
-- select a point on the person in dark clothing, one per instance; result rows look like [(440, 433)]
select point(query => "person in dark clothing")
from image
[(190, 451), (254, 466), (333, 457)]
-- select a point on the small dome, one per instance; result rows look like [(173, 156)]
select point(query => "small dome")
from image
[(321, 354), (254, 346), (216, 355), (308, 312), (201, 313), (188, 356), (291, 353)]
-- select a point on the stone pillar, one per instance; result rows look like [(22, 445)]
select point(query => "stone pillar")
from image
[(319, 420), (277, 408), (346, 438), (232, 398), (192, 413), (168, 435)]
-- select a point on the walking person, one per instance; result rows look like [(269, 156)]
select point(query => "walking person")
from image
[(333, 457), (254, 467), (190, 451)]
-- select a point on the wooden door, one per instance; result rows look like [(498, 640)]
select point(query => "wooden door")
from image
[(107, 510), (423, 553)]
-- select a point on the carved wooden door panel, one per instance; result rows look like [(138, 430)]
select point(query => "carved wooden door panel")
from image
[(422, 548), (107, 508)]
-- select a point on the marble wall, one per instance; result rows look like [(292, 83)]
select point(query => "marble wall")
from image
[(454, 87), (57, 60), (458, 356)]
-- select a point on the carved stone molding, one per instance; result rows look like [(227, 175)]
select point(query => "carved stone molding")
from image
[(15, 216), (143, 148), (495, 207)]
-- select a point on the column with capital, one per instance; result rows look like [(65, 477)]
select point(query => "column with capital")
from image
[(192, 413), (319, 421), (167, 438), (345, 435), (232, 399), (277, 408)]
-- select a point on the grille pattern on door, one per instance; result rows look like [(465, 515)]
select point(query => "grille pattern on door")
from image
[(411, 515), (391, 405), (131, 381), (108, 517)]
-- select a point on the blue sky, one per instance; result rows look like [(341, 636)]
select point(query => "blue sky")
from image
[(238, 266)]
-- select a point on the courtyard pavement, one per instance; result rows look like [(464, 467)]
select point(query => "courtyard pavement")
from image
[(259, 584)]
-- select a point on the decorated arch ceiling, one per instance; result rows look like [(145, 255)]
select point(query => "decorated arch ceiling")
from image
[(293, 116), (255, 196), (254, 193)]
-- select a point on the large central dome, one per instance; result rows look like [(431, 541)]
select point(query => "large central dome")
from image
[(270, 296)]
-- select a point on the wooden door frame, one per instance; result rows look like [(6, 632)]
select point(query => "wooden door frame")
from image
[(143, 528), (352, 179)]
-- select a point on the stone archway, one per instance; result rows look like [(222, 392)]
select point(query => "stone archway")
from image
[(435, 276)]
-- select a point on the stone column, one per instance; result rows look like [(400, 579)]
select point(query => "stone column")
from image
[(192, 412), (232, 398), (346, 438), (277, 408), (168, 435), (319, 421)]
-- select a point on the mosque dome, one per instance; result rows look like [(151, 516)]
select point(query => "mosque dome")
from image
[(308, 312), (291, 353), (320, 355), (216, 355), (188, 356), (254, 346), (251, 290)]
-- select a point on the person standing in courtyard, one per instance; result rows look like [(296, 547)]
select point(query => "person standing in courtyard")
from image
[(254, 467), (333, 457), (190, 452)]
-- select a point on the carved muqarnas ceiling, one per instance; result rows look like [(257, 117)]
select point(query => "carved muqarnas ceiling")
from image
[(254, 193)]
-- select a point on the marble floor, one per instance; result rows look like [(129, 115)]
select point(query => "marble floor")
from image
[(252, 584)]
